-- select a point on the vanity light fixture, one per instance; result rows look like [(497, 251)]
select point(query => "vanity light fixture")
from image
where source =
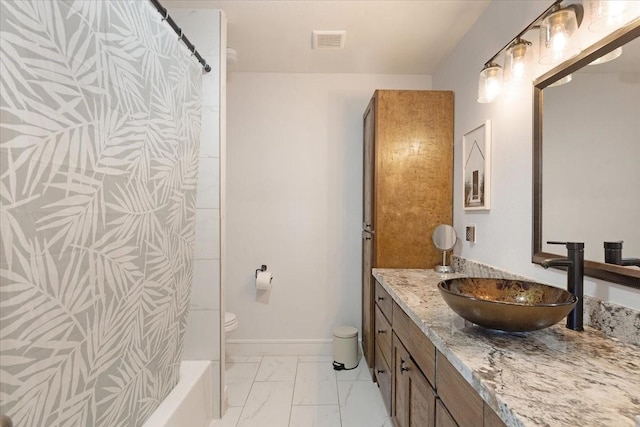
[(556, 31), (490, 83), (557, 25), (516, 60)]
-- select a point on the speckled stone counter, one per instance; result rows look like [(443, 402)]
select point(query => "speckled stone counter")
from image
[(552, 377)]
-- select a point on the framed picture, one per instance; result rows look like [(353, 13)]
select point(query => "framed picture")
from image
[(476, 167)]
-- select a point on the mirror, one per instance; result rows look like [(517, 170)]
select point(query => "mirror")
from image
[(444, 238), (586, 170)]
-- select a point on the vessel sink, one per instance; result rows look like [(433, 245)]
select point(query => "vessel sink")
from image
[(507, 305)]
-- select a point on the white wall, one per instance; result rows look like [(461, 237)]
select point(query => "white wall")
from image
[(206, 28), (294, 202), (504, 232)]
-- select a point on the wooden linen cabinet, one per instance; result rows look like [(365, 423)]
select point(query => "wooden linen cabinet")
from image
[(407, 186)]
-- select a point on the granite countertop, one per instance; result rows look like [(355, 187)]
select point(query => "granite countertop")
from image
[(551, 377)]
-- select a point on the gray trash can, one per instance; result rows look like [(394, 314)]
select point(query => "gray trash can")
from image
[(345, 348)]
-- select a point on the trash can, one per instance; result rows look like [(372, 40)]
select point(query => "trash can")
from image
[(345, 348)]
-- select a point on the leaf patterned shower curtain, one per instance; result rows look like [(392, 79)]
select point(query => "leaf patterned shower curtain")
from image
[(100, 125)]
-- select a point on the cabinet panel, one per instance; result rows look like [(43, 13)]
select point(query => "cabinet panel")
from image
[(384, 301), (413, 175), (383, 376), (383, 335), (462, 401), (368, 237), (417, 343), (443, 417), (367, 306), (491, 419)]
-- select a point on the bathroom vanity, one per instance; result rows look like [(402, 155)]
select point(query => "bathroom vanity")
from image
[(436, 369)]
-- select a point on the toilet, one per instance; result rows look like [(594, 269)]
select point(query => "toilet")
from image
[(230, 322)]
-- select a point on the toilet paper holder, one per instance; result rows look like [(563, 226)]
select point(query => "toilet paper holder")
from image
[(263, 268)]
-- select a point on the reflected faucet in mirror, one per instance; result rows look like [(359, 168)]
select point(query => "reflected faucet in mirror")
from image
[(575, 278), (613, 255)]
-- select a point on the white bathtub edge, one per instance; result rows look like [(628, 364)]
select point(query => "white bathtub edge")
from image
[(190, 403)]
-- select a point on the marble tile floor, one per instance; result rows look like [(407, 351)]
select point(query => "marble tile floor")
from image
[(300, 391)]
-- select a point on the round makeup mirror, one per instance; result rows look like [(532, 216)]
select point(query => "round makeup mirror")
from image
[(444, 238)]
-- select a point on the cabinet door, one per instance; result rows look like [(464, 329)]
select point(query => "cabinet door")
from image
[(414, 399)]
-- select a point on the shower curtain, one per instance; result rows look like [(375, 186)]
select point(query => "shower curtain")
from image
[(100, 125)]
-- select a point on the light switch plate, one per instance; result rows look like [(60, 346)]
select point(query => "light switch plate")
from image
[(471, 233)]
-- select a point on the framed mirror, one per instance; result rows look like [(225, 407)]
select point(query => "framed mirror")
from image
[(586, 156)]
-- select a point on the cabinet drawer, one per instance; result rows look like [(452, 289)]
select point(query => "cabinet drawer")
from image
[(383, 299), (383, 376), (383, 335), (462, 401), (416, 342)]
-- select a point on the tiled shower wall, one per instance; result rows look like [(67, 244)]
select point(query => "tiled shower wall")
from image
[(100, 120), (205, 327)]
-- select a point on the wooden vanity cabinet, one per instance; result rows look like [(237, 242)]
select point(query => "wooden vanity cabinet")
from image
[(419, 386)]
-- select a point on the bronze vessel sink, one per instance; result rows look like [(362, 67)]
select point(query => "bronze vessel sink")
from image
[(507, 305)]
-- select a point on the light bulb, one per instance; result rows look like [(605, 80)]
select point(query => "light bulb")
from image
[(517, 57), (489, 83), (557, 39)]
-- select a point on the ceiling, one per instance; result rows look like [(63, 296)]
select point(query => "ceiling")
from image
[(382, 36)]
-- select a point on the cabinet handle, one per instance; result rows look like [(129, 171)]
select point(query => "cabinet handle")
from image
[(380, 298), (403, 368), (381, 371), (381, 331)]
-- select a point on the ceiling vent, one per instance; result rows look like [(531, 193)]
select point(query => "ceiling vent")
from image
[(328, 39)]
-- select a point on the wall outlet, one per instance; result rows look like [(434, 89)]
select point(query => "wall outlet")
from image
[(471, 233)]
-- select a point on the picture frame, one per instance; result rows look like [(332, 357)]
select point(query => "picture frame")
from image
[(476, 168)]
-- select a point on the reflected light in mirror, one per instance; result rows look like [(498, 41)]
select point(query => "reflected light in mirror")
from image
[(608, 57), (562, 81)]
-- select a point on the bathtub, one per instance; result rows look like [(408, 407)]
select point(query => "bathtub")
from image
[(190, 403)]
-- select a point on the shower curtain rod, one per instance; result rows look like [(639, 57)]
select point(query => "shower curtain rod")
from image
[(166, 17)]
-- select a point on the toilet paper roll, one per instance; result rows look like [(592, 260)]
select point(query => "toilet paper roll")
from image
[(263, 281)]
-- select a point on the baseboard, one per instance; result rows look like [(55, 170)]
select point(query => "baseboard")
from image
[(286, 347)]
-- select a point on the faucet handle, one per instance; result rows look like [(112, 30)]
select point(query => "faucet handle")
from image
[(569, 245)]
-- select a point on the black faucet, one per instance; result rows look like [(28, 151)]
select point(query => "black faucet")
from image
[(613, 255), (575, 278)]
